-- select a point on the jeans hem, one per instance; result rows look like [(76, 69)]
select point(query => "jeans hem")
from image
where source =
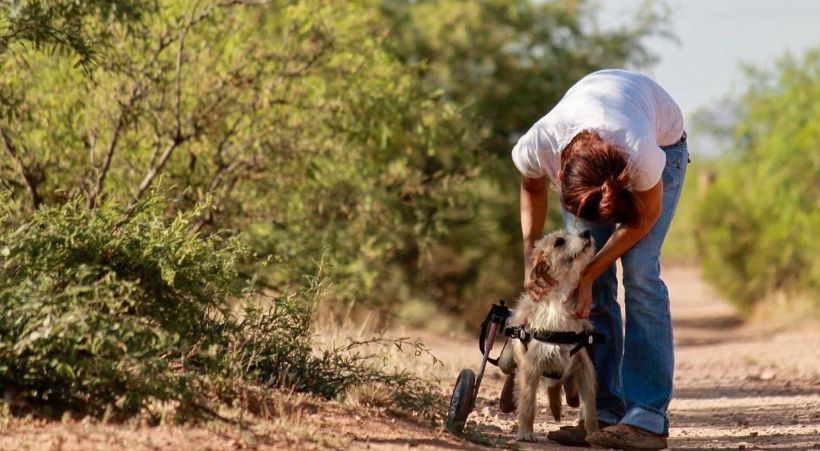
[(604, 416), (648, 418)]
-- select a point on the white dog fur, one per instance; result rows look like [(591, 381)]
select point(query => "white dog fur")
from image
[(558, 259)]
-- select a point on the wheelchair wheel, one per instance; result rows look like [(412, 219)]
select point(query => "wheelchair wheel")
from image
[(461, 402)]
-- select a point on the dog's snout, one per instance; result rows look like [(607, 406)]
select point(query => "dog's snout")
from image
[(586, 235)]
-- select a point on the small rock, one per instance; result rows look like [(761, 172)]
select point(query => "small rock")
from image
[(485, 412), (767, 375), (741, 447), (752, 434), (248, 441)]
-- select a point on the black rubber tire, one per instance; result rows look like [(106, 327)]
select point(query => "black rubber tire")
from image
[(461, 402)]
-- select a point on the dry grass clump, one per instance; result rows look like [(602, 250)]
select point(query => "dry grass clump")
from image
[(114, 315), (370, 395)]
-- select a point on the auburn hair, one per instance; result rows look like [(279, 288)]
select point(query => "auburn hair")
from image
[(595, 181)]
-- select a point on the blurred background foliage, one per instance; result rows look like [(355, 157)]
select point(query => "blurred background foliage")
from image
[(756, 226), (373, 135)]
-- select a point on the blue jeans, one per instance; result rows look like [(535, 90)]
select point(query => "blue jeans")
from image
[(635, 368)]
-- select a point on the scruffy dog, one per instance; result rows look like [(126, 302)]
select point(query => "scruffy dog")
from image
[(558, 260)]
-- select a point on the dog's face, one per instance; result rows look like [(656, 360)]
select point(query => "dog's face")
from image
[(561, 256)]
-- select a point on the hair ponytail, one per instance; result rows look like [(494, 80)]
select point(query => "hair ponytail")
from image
[(595, 181)]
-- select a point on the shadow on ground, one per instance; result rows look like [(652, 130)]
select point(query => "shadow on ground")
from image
[(808, 440), (721, 322), (752, 390)]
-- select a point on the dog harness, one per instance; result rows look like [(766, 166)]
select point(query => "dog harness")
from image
[(499, 315), (581, 340)]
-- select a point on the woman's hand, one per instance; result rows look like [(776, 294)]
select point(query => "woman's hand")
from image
[(583, 298)]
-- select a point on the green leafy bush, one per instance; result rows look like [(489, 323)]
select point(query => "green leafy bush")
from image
[(98, 309), (375, 132), (758, 223), (104, 311)]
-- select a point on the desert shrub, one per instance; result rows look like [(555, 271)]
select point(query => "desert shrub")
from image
[(97, 311), (376, 132), (274, 344), (759, 221), (104, 311)]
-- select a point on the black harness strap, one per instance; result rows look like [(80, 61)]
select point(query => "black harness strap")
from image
[(579, 339), (499, 313), (582, 340)]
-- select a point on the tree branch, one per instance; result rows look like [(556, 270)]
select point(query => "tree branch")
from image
[(229, 3), (122, 120), (178, 80), (208, 216), (28, 179), (155, 169)]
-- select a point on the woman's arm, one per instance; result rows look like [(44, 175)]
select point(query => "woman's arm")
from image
[(650, 202), (533, 216)]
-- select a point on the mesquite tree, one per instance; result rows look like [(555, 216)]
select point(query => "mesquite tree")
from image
[(373, 132)]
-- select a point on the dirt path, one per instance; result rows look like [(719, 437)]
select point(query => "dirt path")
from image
[(736, 386)]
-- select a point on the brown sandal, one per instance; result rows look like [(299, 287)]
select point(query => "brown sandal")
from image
[(572, 435), (627, 437)]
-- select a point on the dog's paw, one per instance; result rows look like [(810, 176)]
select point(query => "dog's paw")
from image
[(525, 436)]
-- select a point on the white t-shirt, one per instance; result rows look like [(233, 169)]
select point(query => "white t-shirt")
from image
[(625, 108)]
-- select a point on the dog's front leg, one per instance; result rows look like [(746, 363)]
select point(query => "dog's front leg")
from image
[(585, 378), (526, 382)]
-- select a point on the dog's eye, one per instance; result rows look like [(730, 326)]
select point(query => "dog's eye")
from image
[(559, 242)]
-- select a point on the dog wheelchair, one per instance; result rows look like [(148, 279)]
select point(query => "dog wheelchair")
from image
[(465, 391)]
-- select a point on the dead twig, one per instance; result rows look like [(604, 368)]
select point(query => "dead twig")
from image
[(25, 173), (122, 121)]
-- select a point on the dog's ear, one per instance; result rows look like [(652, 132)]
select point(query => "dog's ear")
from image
[(541, 271)]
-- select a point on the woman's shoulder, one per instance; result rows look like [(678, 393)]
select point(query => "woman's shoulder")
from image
[(536, 153)]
